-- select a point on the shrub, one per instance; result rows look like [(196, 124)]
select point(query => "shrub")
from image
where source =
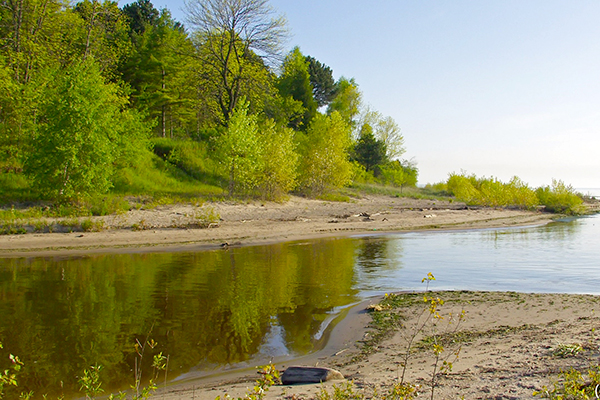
[(560, 198)]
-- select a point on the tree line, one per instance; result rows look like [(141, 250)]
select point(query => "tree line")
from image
[(91, 89)]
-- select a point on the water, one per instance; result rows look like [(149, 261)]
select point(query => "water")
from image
[(217, 309)]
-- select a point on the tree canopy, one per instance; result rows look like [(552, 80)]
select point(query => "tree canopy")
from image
[(96, 98)]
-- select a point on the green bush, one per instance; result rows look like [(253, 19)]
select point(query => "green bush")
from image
[(560, 198), (491, 192)]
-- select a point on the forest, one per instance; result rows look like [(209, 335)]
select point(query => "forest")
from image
[(100, 101)]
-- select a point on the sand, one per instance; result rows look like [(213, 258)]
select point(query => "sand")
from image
[(173, 227)]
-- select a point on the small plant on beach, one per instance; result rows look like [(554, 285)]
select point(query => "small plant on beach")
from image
[(574, 385), (269, 377), (206, 217), (564, 350), (428, 321)]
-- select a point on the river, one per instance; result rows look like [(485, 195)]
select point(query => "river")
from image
[(238, 306)]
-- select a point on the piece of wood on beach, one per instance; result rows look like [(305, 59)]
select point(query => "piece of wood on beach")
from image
[(295, 375)]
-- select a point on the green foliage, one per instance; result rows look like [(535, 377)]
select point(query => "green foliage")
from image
[(322, 82), (560, 198), (140, 14), (399, 174), (90, 383), (280, 161), (295, 82), (491, 192), (78, 141), (241, 151), (160, 76), (324, 160), (369, 151), (574, 385), (347, 102), (189, 156), (8, 377)]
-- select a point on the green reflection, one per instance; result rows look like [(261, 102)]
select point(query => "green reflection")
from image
[(205, 309)]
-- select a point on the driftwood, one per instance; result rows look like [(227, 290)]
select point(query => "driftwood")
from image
[(294, 375)]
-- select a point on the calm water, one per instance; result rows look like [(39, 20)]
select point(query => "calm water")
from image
[(242, 306)]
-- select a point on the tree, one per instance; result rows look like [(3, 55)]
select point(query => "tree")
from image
[(105, 34), (241, 151), (347, 101), (369, 151), (140, 14), (234, 36), (321, 79), (294, 82), (386, 130), (400, 174), (280, 160), (159, 71), (83, 130), (324, 154)]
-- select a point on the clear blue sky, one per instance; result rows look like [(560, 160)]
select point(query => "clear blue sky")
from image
[(496, 88)]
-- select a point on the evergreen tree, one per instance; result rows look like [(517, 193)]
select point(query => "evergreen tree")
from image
[(321, 79), (294, 82), (369, 151)]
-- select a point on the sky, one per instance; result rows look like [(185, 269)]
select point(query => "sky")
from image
[(493, 88)]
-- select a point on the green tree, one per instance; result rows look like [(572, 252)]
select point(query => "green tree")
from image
[(84, 128), (321, 79), (241, 151), (347, 102), (386, 130), (235, 38), (324, 155), (399, 173), (105, 35), (294, 82), (159, 71), (140, 15), (369, 151), (280, 160)]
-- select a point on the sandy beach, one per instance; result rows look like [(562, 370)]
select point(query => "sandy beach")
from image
[(172, 227), (509, 342)]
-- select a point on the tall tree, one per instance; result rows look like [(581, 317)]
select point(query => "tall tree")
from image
[(280, 162), (140, 14), (233, 33), (294, 82), (159, 70), (324, 154), (241, 150), (386, 130), (347, 101), (83, 130), (321, 79), (369, 151)]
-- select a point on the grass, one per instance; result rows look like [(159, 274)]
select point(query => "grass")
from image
[(409, 192)]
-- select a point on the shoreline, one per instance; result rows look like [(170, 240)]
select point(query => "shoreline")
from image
[(174, 228)]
